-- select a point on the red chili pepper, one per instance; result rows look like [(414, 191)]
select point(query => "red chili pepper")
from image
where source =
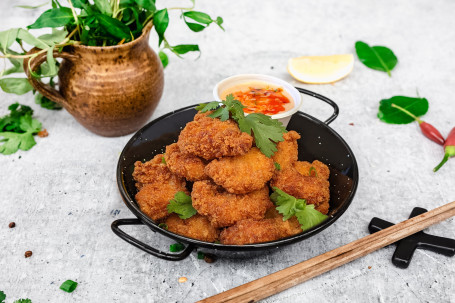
[(427, 129), (449, 149)]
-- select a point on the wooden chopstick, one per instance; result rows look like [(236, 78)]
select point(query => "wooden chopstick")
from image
[(296, 274)]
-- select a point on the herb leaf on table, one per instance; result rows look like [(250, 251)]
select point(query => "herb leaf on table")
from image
[(181, 205), (68, 286), (2, 297), (289, 206), (17, 129), (23, 301), (376, 57), (393, 115)]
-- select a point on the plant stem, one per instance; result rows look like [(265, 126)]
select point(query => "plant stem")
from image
[(407, 112)]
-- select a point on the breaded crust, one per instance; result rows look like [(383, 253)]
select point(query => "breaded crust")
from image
[(196, 227), (210, 138), (157, 186), (287, 152), (184, 165), (320, 169), (223, 208), (250, 231), (242, 174), (314, 190)]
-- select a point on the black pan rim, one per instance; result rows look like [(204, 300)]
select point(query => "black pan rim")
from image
[(247, 247)]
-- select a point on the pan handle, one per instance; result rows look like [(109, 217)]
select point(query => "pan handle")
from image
[(336, 110), (148, 249)]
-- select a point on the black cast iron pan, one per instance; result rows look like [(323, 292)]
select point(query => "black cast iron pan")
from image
[(318, 142)]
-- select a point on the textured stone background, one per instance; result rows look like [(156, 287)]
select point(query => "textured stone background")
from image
[(63, 196)]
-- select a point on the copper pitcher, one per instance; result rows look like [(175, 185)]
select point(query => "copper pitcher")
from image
[(112, 90)]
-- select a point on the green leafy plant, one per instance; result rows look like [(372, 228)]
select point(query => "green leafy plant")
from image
[(3, 298), (376, 57), (391, 110), (92, 23), (266, 131), (289, 206), (17, 129), (181, 205)]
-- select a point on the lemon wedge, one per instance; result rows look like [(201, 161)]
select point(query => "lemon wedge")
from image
[(321, 69)]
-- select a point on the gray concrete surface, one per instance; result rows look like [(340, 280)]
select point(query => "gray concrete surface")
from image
[(63, 196)]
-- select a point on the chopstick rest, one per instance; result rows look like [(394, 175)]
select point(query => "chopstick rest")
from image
[(405, 248)]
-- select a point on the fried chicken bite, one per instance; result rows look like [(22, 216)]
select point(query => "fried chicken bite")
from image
[(210, 138), (314, 190), (184, 165), (250, 231), (196, 227), (320, 170), (257, 231), (242, 174), (157, 186), (287, 152), (223, 208)]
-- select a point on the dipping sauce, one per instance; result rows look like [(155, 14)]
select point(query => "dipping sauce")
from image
[(261, 98)]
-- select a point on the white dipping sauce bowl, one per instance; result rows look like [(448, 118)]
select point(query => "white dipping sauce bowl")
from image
[(245, 78)]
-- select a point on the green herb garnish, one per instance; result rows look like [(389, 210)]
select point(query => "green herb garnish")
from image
[(200, 255), (312, 169), (23, 301), (17, 129), (265, 130), (181, 205), (2, 297), (68, 286), (277, 166), (289, 206), (391, 110), (176, 247), (163, 160), (163, 226), (376, 57)]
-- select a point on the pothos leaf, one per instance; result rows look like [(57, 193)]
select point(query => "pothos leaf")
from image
[(389, 114), (185, 48), (147, 4), (57, 36), (18, 86), (377, 57), (114, 27), (164, 59), (54, 17), (161, 21), (7, 38), (104, 7)]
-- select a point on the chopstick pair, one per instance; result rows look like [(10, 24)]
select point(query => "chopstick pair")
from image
[(301, 272)]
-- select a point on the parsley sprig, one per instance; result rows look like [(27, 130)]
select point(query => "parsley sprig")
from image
[(181, 205), (17, 129), (266, 131), (289, 206)]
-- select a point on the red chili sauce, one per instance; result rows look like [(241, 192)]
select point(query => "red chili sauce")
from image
[(261, 100)]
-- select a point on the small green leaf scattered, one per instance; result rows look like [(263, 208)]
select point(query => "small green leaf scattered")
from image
[(181, 205), (289, 206), (176, 247), (390, 114), (311, 170), (376, 57), (163, 160), (200, 255), (2, 297), (163, 226), (266, 131), (68, 286), (277, 166), (23, 301)]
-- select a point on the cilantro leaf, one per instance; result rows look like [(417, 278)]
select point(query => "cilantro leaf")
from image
[(289, 206), (23, 301), (68, 286), (2, 297), (14, 141), (11, 122), (309, 217), (181, 205), (205, 107), (277, 166)]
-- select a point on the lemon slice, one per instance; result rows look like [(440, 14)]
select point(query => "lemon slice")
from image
[(320, 69)]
